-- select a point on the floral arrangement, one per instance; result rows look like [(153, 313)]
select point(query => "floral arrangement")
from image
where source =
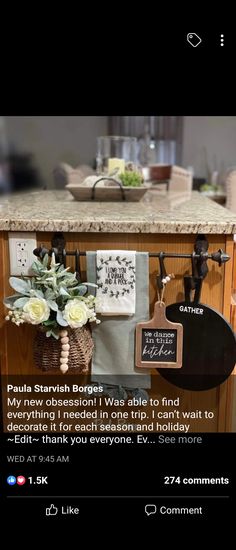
[(52, 298)]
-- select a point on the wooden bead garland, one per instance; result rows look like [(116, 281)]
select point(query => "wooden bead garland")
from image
[(65, 347)]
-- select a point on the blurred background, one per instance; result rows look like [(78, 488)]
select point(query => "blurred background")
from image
[(32, 148)]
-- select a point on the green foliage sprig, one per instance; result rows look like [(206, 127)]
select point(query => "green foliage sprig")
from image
[(131, 179)]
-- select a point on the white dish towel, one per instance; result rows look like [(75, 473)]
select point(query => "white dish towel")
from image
[(116, 291)]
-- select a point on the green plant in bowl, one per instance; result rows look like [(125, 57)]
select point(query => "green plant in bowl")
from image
[(209, 187), (131, 179)]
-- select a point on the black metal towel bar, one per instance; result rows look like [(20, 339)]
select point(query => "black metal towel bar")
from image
[(219, 256), (199, 256)]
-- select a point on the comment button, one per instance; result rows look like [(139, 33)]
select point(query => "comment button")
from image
[(150, 509)]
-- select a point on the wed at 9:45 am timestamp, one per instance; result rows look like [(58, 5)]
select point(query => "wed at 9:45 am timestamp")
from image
[(38, 458)]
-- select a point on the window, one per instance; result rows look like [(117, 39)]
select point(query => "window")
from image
[(159, 137)]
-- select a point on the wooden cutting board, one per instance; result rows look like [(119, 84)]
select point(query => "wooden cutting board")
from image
[(159, 342)]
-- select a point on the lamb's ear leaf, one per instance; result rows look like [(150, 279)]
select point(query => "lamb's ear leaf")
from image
[(63, 292), (60, 319), (55, 334), (45, 260), (64, 272), (20, 302), (82, 289), (53, 305), (49, 322), (10, 300), (19, 285), (37, 267), (38, 294)]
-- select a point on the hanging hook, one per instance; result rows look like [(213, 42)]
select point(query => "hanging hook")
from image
[(201, 248), (193, 282), (162, 278), (58, 244), (194, 265), (77, 266), (162, 275)]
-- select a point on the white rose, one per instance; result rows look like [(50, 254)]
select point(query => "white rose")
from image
[(76, 313), (36, 310)]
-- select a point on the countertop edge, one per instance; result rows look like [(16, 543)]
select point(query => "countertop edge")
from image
[(160, 213), (166, 227)]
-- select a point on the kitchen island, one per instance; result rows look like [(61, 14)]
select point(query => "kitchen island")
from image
[(161, 221)]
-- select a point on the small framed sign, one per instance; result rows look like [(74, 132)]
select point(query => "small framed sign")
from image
[(159, 343)]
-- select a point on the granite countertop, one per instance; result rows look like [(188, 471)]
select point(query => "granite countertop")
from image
[(157, 212)]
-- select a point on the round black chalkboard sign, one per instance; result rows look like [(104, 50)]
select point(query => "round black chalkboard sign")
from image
[(209, 347)]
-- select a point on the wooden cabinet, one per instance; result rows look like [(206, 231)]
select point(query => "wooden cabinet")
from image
[(16, 343)]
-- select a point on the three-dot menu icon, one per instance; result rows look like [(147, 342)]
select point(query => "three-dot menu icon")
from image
[(222, 40)]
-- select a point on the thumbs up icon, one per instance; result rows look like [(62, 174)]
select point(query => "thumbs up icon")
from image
[(52, 510)]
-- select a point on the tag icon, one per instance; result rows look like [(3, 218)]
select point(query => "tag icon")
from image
[(194, 39)]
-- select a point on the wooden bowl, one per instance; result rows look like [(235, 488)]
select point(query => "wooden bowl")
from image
[(107, 193)]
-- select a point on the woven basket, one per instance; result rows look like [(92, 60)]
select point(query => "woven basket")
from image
[(47, 351)]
